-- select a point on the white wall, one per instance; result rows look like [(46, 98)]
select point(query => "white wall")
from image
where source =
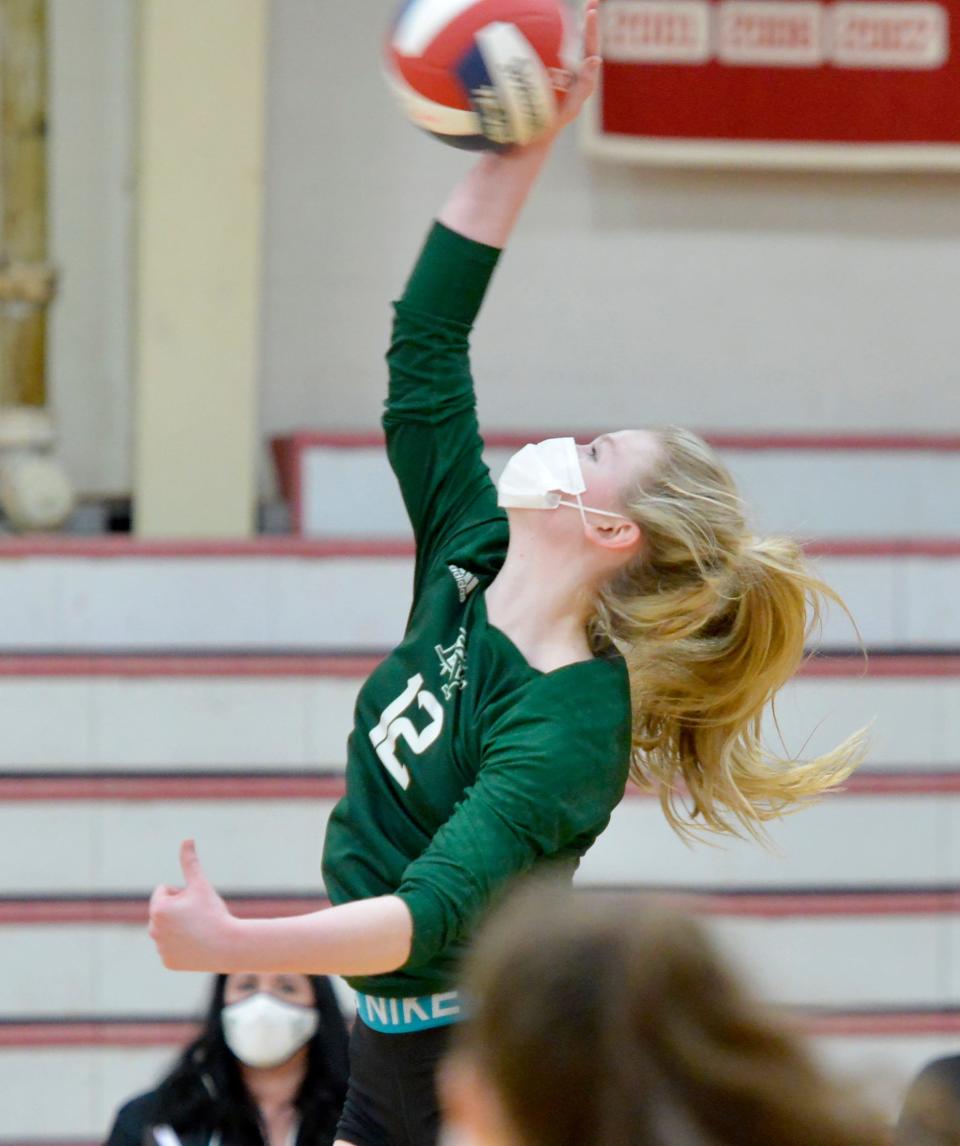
[(91, 204), (726, 300), (717, 299)]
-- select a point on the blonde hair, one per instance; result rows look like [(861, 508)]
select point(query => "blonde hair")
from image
[(712, 621), (609, 1019)]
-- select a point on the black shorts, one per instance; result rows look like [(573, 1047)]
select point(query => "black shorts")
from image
[(392, 1096)]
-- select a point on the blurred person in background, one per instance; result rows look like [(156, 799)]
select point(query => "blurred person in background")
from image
[(610, 1020), (269, 1068), (931, 1110)]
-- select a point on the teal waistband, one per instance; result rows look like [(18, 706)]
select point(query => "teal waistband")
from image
[(413, 1013)]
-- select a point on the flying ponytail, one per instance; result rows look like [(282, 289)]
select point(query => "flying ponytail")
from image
[(712, 622)]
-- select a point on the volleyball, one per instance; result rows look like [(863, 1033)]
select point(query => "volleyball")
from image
[(485, 75)]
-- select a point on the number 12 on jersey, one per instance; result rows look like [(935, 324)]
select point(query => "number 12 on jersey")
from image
[(394, 726)]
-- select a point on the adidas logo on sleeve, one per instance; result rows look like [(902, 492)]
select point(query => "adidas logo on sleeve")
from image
[(466, 582)]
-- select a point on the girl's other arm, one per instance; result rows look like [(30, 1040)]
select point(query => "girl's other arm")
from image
[(194, 931)]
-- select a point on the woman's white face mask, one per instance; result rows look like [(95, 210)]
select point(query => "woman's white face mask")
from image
[(537, 476), (263, 1031)]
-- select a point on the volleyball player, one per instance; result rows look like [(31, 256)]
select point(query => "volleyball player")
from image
[(605, 612)]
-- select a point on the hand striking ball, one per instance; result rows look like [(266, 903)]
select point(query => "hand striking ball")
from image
[(486, 75)]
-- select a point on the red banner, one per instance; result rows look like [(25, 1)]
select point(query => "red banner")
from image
[(861, 83)]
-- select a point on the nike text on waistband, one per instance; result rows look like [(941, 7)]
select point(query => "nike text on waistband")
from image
[(411, 1013)]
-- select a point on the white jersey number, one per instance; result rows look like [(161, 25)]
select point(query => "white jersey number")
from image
[(394, 726)]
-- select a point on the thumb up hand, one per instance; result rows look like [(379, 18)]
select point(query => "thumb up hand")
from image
[(191, 926)]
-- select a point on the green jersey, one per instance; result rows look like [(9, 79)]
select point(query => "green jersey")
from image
[(466, 765)]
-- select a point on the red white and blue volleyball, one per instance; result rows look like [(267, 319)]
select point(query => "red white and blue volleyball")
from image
[(486, 75)]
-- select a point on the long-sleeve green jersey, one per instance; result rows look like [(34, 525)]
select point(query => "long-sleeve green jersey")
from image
[(466, 765)]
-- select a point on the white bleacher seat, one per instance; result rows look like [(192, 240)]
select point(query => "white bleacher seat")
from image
[(249, 597), (860, 487), (95, 716)]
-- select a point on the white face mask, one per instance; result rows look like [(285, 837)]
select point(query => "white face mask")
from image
[(537, 476), (263, 1031)]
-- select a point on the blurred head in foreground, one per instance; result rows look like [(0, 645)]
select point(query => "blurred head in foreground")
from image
[(607, 1020)]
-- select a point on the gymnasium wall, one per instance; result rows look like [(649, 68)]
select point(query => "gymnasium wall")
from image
[(728, 300), (722, 300)]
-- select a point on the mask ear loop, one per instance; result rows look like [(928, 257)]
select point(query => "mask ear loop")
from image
[(585, 509)]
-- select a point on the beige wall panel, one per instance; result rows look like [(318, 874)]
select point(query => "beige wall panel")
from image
[(201, 122)]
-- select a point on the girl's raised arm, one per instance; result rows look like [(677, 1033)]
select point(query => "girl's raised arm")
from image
[(487, 202)]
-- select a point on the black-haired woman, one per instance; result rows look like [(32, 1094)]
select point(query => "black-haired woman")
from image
[(269, 1068)]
